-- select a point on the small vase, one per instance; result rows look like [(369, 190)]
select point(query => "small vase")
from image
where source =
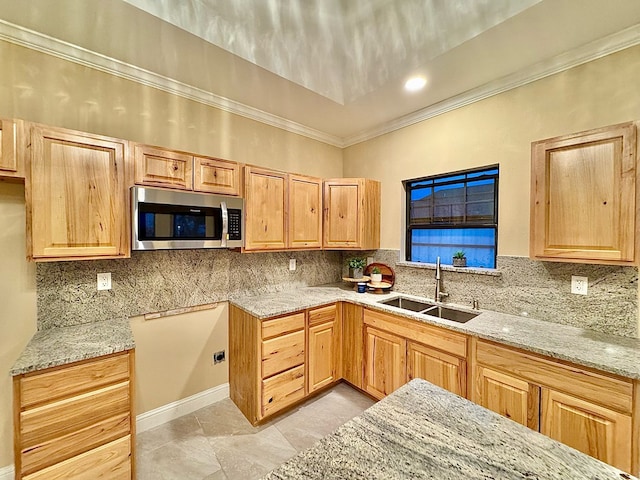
[(376, 277), (355, 272), (459, 262)]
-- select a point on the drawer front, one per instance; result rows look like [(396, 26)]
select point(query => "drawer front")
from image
[(322, 315), (282, 353), (59, 449), (437, 337), (282, 390), (67, 416), (71, 380), (109, 462), (278, 326), (602, 389)]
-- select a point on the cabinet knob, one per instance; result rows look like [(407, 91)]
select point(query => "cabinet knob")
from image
[(270, 400)]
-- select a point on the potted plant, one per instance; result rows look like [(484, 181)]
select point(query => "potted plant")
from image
[(356, 265), (376, 275), (459, 259)]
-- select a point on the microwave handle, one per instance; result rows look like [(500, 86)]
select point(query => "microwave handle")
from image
[(225, 224)]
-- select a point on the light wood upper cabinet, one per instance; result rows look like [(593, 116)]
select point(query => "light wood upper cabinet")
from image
[(266, 201), (590, 428), (212, 175), (351, 214), (77, 193), (305, 212), (11, 159), (159, 167), (583, 197)]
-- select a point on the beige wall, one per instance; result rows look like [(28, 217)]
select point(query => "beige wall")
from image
[(17, 303), (174, 354), (500, 130)]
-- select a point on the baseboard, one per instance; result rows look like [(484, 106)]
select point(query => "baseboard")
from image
[(171, 411), (7, 473)]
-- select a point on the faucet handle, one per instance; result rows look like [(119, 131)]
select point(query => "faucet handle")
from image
[(476, 305)]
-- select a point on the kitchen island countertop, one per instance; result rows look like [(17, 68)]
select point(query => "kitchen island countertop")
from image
[(423, 431)]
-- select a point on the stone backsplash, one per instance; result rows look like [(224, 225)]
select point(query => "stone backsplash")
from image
[(540, 290), (164, 280)]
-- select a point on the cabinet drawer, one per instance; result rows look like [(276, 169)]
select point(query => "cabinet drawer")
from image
[(440, 338), (110, 462), (605, 390), (282, 390), (64, 417), (322, 315), (282, 353), (278, 326), (58, 449), (71, 380)]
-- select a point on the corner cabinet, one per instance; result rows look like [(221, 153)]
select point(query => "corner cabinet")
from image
[(351, 214), (77, 196), (76, 421), (583, 197)]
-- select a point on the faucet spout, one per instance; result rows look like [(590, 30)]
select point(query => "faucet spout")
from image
[(439, 293)]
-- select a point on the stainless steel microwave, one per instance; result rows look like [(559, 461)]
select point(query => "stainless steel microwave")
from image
[(169, 219)]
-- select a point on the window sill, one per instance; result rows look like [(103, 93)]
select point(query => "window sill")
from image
[(492, 272)]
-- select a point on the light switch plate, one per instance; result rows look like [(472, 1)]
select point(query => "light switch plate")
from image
[(104, 281), (579, 285), (292, 264)]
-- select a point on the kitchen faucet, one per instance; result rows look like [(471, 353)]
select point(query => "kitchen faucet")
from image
[(439, 293)]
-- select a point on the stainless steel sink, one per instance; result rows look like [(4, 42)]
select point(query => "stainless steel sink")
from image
[(428, 308)]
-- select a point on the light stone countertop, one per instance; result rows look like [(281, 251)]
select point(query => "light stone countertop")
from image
[(609, 353), (63, 345), (423, 431)]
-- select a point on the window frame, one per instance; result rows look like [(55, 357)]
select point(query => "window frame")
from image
[(408, 228)]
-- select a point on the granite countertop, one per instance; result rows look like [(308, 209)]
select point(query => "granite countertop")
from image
[(62, 345), (609, 353), (423, 431)]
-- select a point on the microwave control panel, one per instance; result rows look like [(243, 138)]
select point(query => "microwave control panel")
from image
[(235, 224)]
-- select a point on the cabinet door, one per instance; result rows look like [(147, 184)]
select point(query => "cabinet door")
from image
[(8, 151), (352, 343), (77, 192), (305, 212), (266, 194), (321, 355), (342, 214), (589, 428), (509, 396), (385, 367), (446, 371), (583, 200), (211, 175), (158, 167)]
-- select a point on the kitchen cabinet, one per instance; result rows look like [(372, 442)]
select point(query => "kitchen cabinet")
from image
[(351, 214), (324, 347), (76, 196), (583, 197), (266, 206), (76, 421), (11, 157), (305, 212), (589, 410), (352, 343), (161, 167), (398, 349)]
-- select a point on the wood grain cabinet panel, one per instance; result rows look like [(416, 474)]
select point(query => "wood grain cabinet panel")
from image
[(352, 344), (351, 214), (442, 369), (323, 347), (77, 195), (283, 352), (11, 162), (385, 362), (583, 197), (305, 212), (159, 167), (266, 205), (592, 429), (213, 175)]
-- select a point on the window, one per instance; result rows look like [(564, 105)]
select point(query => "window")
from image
[(451, 212)]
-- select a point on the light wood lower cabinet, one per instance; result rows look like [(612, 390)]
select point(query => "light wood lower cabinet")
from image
[(324, 347), (385, 364), (437, 367), (352, 343), (76, 421)]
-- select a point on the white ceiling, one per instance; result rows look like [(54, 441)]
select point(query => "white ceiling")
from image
[(329, 69)]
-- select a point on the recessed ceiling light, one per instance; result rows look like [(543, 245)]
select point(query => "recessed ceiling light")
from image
[(415, 83)]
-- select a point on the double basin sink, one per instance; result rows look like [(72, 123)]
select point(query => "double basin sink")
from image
[(432, 309)]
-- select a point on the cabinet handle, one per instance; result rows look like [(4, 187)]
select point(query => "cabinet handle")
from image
[(270, 400)]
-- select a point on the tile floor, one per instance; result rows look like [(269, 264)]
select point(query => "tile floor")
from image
[(218, 443)]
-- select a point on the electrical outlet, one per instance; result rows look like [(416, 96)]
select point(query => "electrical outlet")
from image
[(104, 281), (292, 264), (579, 285), (218, 357)]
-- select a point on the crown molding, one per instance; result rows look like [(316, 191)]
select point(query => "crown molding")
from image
[(591, 51), (25, 37)]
